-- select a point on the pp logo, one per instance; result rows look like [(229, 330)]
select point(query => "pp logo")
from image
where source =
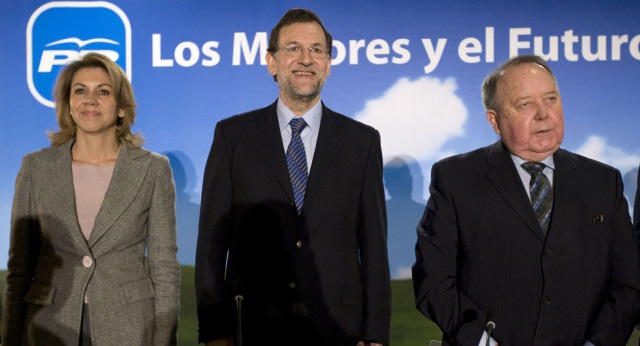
[(62, 31)]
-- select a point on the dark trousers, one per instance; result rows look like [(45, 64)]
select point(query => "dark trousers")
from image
[(288, 327)]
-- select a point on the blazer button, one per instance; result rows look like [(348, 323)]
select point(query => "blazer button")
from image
[(546, 300), (299, 244), (292, 284), (87, 261), (549, 252)]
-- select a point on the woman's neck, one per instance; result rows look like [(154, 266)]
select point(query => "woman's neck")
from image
[(96, 150)]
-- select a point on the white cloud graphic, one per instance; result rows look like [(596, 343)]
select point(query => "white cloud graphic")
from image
[(416, 118), (595, 147)]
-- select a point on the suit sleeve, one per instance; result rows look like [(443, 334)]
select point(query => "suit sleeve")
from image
[(23, 254), (163, 264), (373, 251), (435, 270), (636, 211), (214, 229), (620, 311)]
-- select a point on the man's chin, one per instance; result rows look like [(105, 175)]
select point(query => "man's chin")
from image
[(544, 152), (305, 96)]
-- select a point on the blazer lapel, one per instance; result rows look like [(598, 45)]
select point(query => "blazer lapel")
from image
[(58, 189), (128, 176), (504, 177), (269, 142)]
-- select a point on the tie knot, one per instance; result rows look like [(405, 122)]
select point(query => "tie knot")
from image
[(532, 167), (297, 125)]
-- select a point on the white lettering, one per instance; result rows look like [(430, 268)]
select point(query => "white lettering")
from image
[(241, 48), (569, 39), (354, 46), (56, 57), (489, 51), (515, 44), (634, 47), (209, 52), (341, 52), (53, 57), (616, 45), (538, 46), (398, 47), (601, 49), (469, 45), (375, 48), (433, 55), (156, 53), (194, 54)]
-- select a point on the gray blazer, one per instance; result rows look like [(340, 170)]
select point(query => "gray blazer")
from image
[(133, 295)]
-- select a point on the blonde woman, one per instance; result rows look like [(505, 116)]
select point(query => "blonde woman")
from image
[(92, 258)]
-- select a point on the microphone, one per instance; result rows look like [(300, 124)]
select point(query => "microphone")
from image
[(490, 327), (239, 299)]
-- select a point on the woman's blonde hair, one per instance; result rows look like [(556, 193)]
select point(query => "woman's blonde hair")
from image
[(123, 93)]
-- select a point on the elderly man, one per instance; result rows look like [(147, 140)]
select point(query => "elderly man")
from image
[(529, 236), (292, 220)]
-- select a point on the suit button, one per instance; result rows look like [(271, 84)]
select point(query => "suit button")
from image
[(87, 261), (292, 284), (549, 252), (546, 300), (299, 244)]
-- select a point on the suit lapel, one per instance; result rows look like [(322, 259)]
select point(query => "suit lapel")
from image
[(58, 189), (128, 176), (327, 147), (269, 142), (504, 177), (563, 185)]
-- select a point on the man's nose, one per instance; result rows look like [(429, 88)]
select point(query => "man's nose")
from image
[(542, 111), (305, 56)]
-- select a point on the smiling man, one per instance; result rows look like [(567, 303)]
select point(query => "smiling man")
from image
[(529, 236), (292, 236)]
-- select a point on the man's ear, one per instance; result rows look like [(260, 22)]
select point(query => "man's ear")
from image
[(271, 63), (492, 117)]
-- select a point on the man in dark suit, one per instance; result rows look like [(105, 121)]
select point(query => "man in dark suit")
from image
[(292, 221), (524, 234)]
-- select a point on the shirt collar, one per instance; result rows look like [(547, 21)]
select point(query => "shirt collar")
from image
[(548, 161), (312, 117)]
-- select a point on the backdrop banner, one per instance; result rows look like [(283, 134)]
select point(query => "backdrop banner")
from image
[(412, 69)]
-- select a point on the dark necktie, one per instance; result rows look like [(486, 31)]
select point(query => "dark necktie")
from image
[(541, 193), (297, 162)]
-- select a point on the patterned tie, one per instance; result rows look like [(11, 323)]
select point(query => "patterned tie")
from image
[(297, 162), (541, 193)]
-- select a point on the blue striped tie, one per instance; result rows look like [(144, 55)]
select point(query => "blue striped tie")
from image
[(297, 162), (541, 193)]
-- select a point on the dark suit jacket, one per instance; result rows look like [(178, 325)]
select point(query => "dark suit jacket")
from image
[(480, 251), (332, 258), (128, 267)]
